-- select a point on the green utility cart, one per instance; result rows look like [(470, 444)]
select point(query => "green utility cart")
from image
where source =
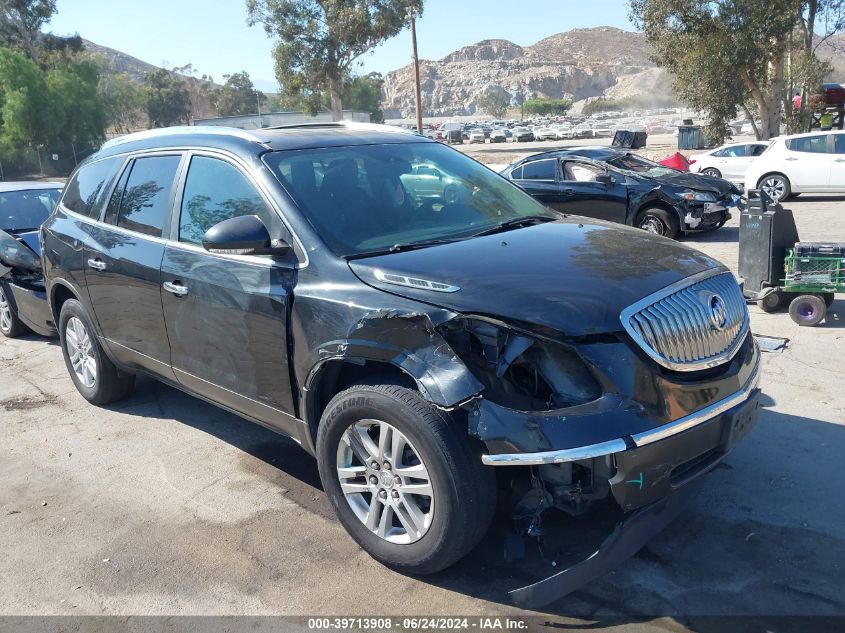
[(814, 272)]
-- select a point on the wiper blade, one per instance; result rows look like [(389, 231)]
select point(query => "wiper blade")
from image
[(514, 223), (405, 246)]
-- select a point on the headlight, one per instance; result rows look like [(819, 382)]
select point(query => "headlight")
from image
[(519, 371), (700, 196)]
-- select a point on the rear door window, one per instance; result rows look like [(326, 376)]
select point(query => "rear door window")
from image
[(146, 198), (87, 190), (811, 144), (539, 170), (839, 143), (216, 190)]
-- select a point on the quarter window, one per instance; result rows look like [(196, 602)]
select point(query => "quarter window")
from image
[(539, 170), (215, 191), (839, 141), (146, 198), (87, 190)]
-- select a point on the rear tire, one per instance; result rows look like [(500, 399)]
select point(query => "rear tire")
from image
[(92, 372), (10, 325), (452, 519), (659, 222), (808, 310)]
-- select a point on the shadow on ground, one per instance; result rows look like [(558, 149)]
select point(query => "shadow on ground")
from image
[(739, 548)]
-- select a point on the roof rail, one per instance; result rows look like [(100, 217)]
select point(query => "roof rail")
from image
[(352, 125), (183, 129)]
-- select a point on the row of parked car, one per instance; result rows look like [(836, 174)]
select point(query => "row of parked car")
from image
[(409, 317)]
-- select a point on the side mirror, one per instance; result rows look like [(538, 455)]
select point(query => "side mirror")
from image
[(243, 235), (605, 179)]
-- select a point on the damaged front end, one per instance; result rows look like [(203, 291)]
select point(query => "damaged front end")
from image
[(590, 420), (23, 280)]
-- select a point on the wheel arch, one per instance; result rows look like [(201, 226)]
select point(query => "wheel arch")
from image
[(660, 203), (60, 292)]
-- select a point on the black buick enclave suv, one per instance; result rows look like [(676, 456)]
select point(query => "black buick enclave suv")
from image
[(413, 344)]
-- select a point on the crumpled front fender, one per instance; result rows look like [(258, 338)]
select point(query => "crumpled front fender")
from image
[(410, 342)]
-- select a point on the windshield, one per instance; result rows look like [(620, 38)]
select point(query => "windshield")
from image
[(368, 198), (26, 209), (638, 165)]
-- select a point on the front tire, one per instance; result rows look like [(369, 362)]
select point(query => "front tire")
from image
[(10, 325), (776, 186), (92, 372), (712, 172), (659, 222), (406, 487)]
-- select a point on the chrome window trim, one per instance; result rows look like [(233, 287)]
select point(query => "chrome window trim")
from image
[(182, 174), (640, 439), (723, 357)]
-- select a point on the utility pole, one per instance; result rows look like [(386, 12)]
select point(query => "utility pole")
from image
[(416, 72)]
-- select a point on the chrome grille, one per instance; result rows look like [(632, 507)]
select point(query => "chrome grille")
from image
[(695, 324)]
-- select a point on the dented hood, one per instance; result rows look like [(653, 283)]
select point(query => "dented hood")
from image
[(574, 275), (696, 182)]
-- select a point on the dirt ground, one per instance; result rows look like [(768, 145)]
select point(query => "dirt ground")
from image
[(164, 505)]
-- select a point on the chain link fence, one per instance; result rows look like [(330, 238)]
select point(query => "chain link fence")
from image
[(28, 163)]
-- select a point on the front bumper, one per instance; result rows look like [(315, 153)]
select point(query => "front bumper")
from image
[(31, 307), (654, 462), (705, 216)]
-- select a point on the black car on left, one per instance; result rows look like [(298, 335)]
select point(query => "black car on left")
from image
[(23, 305), (616, 185)]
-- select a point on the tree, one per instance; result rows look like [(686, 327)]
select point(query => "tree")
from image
[(21, 22), (723, 54), (166, 99), (56, 107), (363, 93), (319, 40), (123, 102), (495, 101), (545, 107), (238, 96)]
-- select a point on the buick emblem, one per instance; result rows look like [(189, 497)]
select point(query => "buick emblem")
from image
[(718, 312)]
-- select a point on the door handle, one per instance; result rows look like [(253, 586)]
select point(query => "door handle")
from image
[(791, 158), (839, 160), (176, 288), (97, 264), (568, 191)]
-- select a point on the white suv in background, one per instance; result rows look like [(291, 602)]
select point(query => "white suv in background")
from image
[(802, 163), (728, 161)]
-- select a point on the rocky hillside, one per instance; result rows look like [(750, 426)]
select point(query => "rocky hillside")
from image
[(118, 62), (576, 65)]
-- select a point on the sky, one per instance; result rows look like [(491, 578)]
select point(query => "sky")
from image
[(215, 38)]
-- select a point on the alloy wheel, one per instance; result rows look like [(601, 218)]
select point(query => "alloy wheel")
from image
[(385, 481), (653, 224), (80, 349), (6, 316), (774, 186)]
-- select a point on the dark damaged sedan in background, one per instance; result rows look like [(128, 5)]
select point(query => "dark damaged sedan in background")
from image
[(616, 185), (416, 344), (23, 305)]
